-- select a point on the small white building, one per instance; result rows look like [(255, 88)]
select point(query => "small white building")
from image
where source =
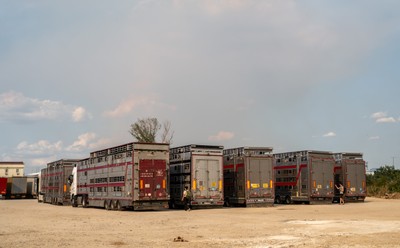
[(11, 169)]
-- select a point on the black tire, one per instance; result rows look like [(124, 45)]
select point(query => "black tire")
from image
[(278, 199), (106, 205), (84, 202), (118, 206), (75, 202), (227, 203), (288, 199)]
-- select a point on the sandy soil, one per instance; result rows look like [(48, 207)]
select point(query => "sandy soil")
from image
[(374, 223)]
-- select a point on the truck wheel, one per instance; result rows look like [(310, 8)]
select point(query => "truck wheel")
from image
[(84, 202), (226, 202), (118, 206), (278, 199), (288, 200), (106, 205), (112, 205), (74, 201)]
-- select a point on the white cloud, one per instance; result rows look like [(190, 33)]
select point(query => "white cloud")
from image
[(378, 115), (222, 135), (330, 134), (78, 114), (14, 106), (381, 117), (39, 148), (83, 142), (374, 138), (386, 120), (127, 106)]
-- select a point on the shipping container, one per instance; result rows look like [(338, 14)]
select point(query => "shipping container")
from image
[(249, 176), (132, 175), (3, 187), (200, 168), (350, 171), (55, 187), (304, 176)]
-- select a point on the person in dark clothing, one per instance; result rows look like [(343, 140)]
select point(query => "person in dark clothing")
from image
[(186, 198)]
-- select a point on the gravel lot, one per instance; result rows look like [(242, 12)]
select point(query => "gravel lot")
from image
[(374, 223)]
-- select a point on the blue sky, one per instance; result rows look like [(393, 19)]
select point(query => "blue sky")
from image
[(293, 75)]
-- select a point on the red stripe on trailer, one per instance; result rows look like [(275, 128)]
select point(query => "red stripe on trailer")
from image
[(105, 166)]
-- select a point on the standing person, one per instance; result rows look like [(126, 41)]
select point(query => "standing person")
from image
[(341, 192), (186, 198)]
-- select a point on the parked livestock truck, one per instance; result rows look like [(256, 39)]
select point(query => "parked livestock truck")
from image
[(304, 176), (350, 172), (249, 176), (199, 167), (3, 187), (54, 186), (132, 175)]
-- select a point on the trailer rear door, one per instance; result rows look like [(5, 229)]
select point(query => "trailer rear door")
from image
[(207, 177), (355, 181), (260, 177), (322, 176), (152, 179)]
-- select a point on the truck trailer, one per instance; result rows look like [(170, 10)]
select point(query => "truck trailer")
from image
[(249, 176), (132, 175), (304, 176), (350, 172), (54, 187), (42, 181), (17, 187), (3, 187), (200, 168)]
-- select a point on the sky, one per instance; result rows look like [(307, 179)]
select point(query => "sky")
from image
[(292, 75)]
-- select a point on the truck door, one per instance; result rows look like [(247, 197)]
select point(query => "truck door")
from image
[(207, 176), (254, 177), (355, 180), (241, 185), (152, 179), (322, 177)]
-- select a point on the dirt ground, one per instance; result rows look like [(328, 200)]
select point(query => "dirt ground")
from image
[(374, 223)]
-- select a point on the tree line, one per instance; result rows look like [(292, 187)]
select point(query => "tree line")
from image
[(384, 181)]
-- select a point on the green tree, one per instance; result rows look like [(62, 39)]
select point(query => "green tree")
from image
[(386, 179), (145, 130)]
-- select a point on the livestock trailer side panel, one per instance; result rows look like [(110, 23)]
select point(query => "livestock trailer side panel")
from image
[(248, 176), (200, 168), (132, 175), (350, 171), (304, 176)]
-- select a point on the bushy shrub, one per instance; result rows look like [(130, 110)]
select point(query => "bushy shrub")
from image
[(386, 180)]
